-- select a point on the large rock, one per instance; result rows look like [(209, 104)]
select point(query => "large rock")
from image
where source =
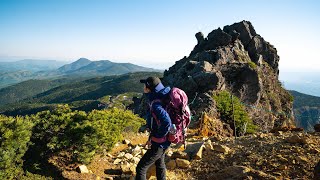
[(221, 148), (180, 154), (128, 156), (171, 165), (126, 141), (195, 150), (297, 139), (200, 37), (117, 161), (128, 168), (82, 169), (135, 160), (182, 163), (208, 145), (136, 151)]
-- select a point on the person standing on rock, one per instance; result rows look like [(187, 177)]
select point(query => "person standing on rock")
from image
[(159, 123)]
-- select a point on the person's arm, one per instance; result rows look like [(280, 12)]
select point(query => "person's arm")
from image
[(163, 117)]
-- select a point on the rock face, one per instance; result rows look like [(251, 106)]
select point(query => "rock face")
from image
[(317, 127), (239, 60)]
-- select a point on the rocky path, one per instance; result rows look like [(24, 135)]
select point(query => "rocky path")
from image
[(280, 155)]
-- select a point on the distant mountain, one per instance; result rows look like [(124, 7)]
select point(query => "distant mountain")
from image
[(31, 65), (306, 109), (82, 95), (8, 78), (75, 65), (36, 69), (102, 67)]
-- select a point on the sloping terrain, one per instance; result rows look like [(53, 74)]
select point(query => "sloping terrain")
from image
[(82, 95), (306, 110)]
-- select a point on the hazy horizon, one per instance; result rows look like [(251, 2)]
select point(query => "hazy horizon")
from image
[(152, 33)]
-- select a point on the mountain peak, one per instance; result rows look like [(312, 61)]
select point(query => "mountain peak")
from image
[(83, 60), (75, 65)]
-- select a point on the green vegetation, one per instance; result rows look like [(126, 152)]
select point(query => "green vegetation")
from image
[(252, 65), (81, 95), (15, 136), (30, 88), (34, 143), (224, 105)]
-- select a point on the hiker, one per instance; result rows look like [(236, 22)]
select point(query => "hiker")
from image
[(159, 123)]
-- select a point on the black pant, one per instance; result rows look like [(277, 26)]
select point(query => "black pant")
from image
[(153, 155)]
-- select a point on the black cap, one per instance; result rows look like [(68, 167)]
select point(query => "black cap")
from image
[(151, 82)]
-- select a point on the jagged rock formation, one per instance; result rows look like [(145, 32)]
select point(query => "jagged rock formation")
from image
[(239, 60)]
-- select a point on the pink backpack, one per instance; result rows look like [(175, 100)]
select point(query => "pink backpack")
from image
[(180, 116)]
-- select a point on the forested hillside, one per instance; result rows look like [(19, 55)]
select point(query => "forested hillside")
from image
[(82, 95)]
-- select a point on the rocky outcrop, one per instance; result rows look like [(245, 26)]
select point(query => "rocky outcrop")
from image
[(317, 128), (237, 59)]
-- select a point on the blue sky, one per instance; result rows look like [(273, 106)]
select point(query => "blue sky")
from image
[(152, 33)]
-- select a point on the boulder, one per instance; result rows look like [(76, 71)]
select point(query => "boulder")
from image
[(171, 165), (82, 169), (136, 151), (208, 145), (198, 154), (221, 148), (109, 155), (200, 37), (182, 163), (135, 160), (125, 168), (121, 154), (244, 30), (217, 38), (126, 141), (117, 161), (180, 154), (128, 156), (143, 151), (296, 139)]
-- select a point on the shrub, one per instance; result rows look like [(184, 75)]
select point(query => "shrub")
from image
[(28, 144), (81, 134), (224, 106), (15, 135)]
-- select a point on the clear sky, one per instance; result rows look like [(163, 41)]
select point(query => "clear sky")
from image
[(152, 33)]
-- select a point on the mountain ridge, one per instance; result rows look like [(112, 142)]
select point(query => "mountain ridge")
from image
[(82, 67)]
